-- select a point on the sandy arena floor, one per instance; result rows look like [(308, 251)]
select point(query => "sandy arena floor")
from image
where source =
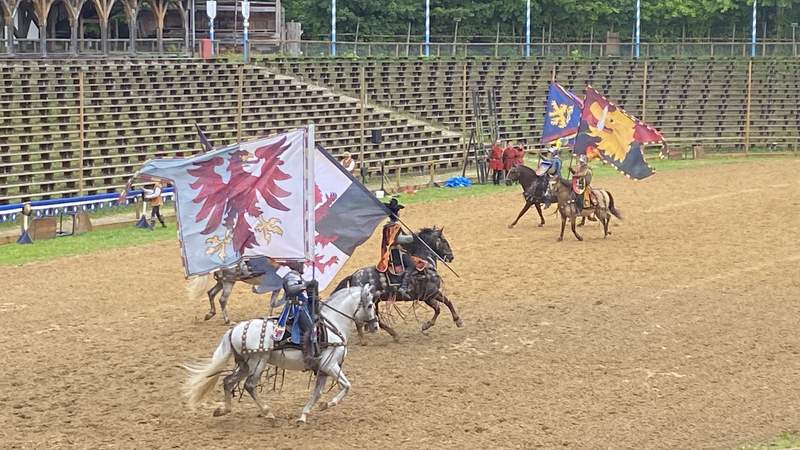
[(679, 331)]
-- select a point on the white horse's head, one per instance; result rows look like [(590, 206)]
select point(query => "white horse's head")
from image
[(366, 309)]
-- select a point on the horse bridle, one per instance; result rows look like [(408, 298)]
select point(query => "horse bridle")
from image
[(430, 247), (360, 305)]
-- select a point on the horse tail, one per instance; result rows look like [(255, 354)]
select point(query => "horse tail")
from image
[(612, 208), (198, 287), (345, 283), (203, 375)]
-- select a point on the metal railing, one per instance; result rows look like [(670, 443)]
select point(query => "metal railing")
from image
[(309, 48), (517, 50), (33, 47)]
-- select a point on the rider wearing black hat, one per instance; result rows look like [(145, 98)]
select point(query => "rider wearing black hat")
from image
[(393, 258)]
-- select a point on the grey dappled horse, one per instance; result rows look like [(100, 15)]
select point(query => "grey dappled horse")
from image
[(223, 281), (425, 285)]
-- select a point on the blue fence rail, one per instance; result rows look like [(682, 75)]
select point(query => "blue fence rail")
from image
[(54, 207)]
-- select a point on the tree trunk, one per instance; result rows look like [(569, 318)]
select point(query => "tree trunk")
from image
[(160, 37), (132, 33), (73, 44), (104, 36), (10, 47)]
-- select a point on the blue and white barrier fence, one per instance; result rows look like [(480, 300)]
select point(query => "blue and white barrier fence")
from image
[(54, 207)]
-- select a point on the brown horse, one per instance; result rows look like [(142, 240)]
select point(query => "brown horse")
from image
[(603, 208), (534, 189)]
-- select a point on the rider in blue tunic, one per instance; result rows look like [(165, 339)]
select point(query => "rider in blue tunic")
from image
[(297, 309), (551, 164)]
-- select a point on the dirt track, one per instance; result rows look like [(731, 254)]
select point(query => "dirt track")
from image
[(681, 332)]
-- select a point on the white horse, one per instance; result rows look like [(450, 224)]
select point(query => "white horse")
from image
[(250, 344)]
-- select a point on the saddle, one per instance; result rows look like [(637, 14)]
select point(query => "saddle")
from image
[(255, 267), (292, 338)]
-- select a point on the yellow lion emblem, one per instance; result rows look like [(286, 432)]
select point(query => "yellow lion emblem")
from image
[(560, 114), (616, 134)]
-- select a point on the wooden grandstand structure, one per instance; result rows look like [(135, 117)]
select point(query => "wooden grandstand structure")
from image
[(76, 127)]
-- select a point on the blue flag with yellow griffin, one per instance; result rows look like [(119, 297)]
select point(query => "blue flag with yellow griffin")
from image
[(562, 115), (609, 133)]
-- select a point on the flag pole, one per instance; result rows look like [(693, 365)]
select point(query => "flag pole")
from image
[(753, 35), (310, 203)]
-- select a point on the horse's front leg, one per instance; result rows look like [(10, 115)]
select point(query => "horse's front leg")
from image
[(360, 331), (315, 395), (541, 216), (574, 231), (433, 303), (385, 327), (336, 371), (522, 213), (211, 294), (443, 298), (583, 221), (227, 288), (563, 224)]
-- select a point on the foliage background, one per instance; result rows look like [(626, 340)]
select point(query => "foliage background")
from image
[(571, 20)]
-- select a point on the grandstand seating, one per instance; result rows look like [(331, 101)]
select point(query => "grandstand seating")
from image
[(688, 100), (136, 110)]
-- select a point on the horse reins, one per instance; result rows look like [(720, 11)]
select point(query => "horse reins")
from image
[(370, 321)]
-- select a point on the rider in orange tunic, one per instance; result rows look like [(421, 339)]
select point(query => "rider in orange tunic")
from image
[(393, 258)]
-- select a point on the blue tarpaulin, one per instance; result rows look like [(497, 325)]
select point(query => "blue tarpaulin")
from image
[(457, 182)]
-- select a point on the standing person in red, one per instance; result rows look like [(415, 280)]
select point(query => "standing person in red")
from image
[(509, 155), (496, 161)]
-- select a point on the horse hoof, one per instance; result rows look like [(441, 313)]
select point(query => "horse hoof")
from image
[(510, 226), (459, 323), (300, 421), (324, 406), (209, 316), (541, 225), (580, 239), (269, 416), (425, 326), (559, 239), (220, 412)]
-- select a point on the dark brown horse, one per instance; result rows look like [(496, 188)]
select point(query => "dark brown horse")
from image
[(603, 209), (534, 189)]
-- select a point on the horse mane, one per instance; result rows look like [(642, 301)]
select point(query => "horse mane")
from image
[(419, 249), (526, 169)]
